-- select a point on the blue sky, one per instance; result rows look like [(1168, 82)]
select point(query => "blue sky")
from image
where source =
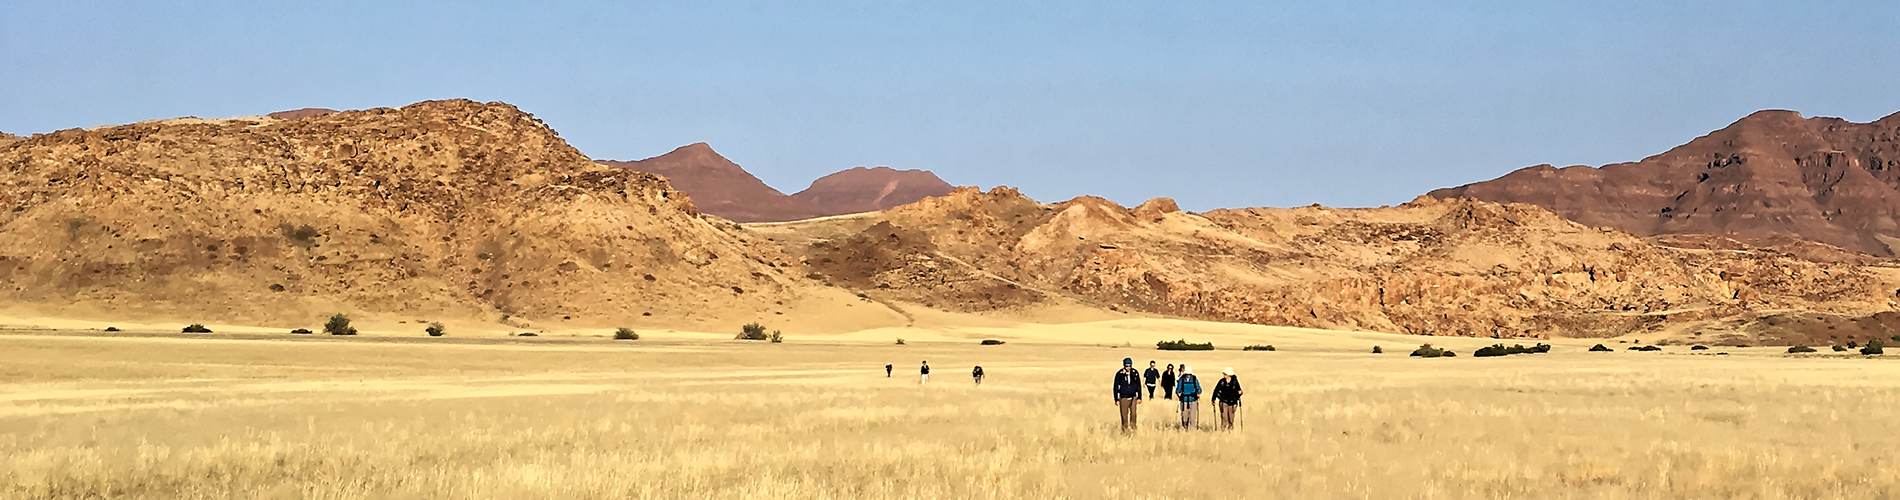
[(1217, 104)]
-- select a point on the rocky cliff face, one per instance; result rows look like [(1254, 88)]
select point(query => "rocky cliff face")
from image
[(1772, 173), (871, 189), (721, 187), (437, 208), (1430, 267)]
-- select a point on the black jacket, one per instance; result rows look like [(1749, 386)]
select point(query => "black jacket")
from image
[(1227, 390), (1167, 379), (1127, 384), (1151, 375)]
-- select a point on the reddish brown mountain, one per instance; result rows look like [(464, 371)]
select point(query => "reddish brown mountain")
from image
[(1773, 173), (720, 187), (296, 114), (871, 189)]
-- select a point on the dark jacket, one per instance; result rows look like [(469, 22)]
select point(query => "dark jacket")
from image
[(1227, 390), (978, 372), (1127, 384), (926, 370), (1167, 378), (1151, 375), (1188, 389)]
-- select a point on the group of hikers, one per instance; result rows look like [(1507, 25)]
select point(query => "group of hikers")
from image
[(1184, 387), (1129, 384)]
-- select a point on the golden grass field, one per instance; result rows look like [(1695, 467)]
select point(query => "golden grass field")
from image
[(87, 416)]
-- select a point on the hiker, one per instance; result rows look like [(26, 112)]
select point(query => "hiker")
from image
[(926, 371), (887, 370), (1128, 392), (977, 374), (1188, 388), (1167, 382), (1227, 397), (1150, 376)]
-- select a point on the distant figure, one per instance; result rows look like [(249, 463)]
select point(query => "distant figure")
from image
[(887, 370), (1167, 382), (1227, 397), (926, 371), (1189, 389), (1150, 376), (1128, 393), (977, 374)]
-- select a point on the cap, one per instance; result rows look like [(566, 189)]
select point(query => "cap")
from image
[(1128, 361), (1228, 370)]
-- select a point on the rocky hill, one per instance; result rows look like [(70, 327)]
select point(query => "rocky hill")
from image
[(437, 209), (721, 187), (871, 189), (1430, 267), (1773, 173)]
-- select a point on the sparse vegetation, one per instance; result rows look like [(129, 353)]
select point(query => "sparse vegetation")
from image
[(1427, 351), (1874, 347), (1800, 349), (1260, 348), (436, 329), (1600, 348), (1698, 347), (777, 337), (527, 334), (752, 331), (1183, 345), (339, 324), (1496, 350), (1840, 349), (301, 331), (1377, 350), (112, 328), (197, 328), (991, 342), (900, 341), (624, 333), (1645, 348)]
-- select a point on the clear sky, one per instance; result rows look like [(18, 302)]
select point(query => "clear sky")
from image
[(1217, 104)]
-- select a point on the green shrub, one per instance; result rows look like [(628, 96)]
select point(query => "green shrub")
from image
[(1500, 350), (752, 331), (1427, 351), (197, 328), (1183, 345), (1494, 350), (1874, 347), (777, 337), (1600, 348), (991, 342), (112, 328), (1853, 345), (1377, 350), (301, 331), (436, 329), (900, 341), (1257, 347), (1840, 349), (1800, 349), (626, 334), (1699, 348), (339, 325)]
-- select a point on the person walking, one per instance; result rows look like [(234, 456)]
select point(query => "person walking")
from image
[(1188, 388), (1167, 382), (887, 370), (1150, 376), (977, 374), (926, 371), (1128, 393), (1227, 398)]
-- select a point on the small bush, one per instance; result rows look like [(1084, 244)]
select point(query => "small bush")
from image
[(1699, 348), (1183, 345), (1840, 349), (1853, 345), (991, 342), (1258, 348), (301, 331), (1499, 350), (1874, 347), (777, 337), (1427, 351), (527, 334), (1800, 349), (900, 341), (626, 334), (435, 329), (197, 328), (112, 328), (1600, 348), (1645, 348), (339, 325), (752, 331), (1377, 350)]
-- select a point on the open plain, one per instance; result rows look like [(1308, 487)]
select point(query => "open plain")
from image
[(84, 415)]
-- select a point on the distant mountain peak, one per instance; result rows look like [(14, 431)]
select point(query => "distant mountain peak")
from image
[(861, 189), (720, 187)]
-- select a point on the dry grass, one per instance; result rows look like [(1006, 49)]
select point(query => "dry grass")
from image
[(162, 418)]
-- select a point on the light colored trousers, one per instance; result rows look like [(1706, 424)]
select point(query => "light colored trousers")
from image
[(1191, 414), (924, 380)]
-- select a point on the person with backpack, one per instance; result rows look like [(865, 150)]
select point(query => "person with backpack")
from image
[(1188, 388), (977, 374), (1128, 393), (887, 370), (926, 372), (1227, 398), (1167, 382), (1150, 376)]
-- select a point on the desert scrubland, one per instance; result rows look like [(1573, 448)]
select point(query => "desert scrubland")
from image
[(223, 416)]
